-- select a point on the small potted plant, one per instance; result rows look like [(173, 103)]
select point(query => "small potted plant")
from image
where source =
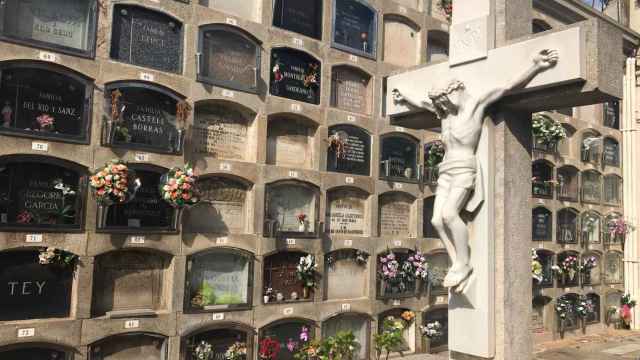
[(306, 273)]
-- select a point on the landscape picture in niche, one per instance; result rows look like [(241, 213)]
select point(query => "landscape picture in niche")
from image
[(354, 27), (229, 59), (66, 24), (146, 38), (30, 290), (42, 103), (300, 16), (219, 280), (147, 119), (349, 150), (39, 195), (346, 215), (295, 75), (220, 131)]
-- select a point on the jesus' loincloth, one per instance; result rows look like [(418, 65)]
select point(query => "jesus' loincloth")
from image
[(465, 173)]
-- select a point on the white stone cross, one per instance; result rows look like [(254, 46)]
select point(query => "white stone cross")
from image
[(489, 318)]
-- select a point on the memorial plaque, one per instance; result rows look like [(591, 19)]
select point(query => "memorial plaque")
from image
[(594, 317), (39, 195), (147, 210), (611, 152), (395, 215), (31, 290), (350, 90), (401, 42), (567, 226), (346, 212), (355, 27), (128, 281), (541, 221), (288, 143), (300, 16), (218, 280), (222, 210), (60, 24), (149, 118), (568, 183), (229, 58), (32, 353), (591, 186), (220, 341), (280, 274), (346, 278), (221, 131), (399, 158), (442, 317), (613, 267), (286, 202), (43, 103), (611, 112), (146, 38), (591, 227), (614, 299), (439, 265), (351, 152), (295, 75), (612, 186), (129, 346), (356, 324), (593, 276)]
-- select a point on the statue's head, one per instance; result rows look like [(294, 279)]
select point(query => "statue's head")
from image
[(448, 99)]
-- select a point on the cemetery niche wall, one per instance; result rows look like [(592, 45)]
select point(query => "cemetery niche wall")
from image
[(130, 346), (61, 25), (147, 38), (347, 212), (349, 150), (346, 274), (290, 141), (219, 279), (295, 75), (281, 283), (358, 324), (395, 215), (220, 338), (351, 89), (130, 283), (31, 290), (143, 117), (44, 101), (355, 27), (437, 317), (300, 16), (291, 208), (222, 209), (41, 193), (228, 57)]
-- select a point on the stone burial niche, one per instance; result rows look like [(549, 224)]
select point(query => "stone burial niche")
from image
[(402, 41), (228, 57), (62, 25), (347, 212), (280, 276), (219, 279), (399, 158), (408, 344), (142, 116), (221, 337), (290, 141), (41, 193), (349, 150), (147, 212), (30, 290), (247, 9), (355, 27), (139, 346), (224, 130), (358, 324), (395, 215), (346, 274), (439, 341), (131, 283), (44, 101), (283, 330), (291, 209), (223, 207), (300, 16), (35, 352), (147, 38), (295, 75), (351, 89)]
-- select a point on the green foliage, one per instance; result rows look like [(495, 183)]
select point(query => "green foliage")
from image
[(390, 339), (547, 130), (228, 299), (342, 346)]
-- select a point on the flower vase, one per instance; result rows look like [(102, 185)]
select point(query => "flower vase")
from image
[(265, 299), (279, 297), (583, 323), (301, 227), (305, 292), (176, 218), (562, 327), (103, 211)]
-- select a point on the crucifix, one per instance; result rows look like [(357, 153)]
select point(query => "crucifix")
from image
[(482, 100)]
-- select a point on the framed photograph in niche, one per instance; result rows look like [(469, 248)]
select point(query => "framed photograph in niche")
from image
[(147, 38), (291, 209), (67, 26), (44, 101), (347, 212), (30, 290), (130, 346), (228, 57), (300, 16), (295, 75), (350, 89), (147, 212), (146, 118), (220, 338), (41, 193), (219, 280), (355, 27), (349, 150)]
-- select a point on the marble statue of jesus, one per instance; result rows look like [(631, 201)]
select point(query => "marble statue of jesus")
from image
[(462, 115)]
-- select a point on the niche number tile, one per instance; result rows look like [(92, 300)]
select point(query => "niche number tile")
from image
[(345, 307), (348, 243), (40, 146), (47, 56), (217, 316), (293, 174), (222, 240), (228, 93), (33, 238), (441, 299), (147, 77), (402, 10), (137, 240), (397, 243), (351, 118), (399, 129), (397, 186), (225, 166), (142, 157), (287, 311), (132, 324), (291, 242), (297, 42), (232, 21), (29, 332), (296, 107), (353, 58), (349, 180)]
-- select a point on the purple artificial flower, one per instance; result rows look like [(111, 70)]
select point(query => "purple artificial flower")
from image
[(304, 334)]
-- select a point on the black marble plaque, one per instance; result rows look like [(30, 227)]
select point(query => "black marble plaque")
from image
[(295, 75), (354, 27), (229, 59), (149, 119), (611, 114), (30, 290), (611, 153), (300, 16), (61, 24), (146, 210), (43, 103), (399, 158), (146, 38), (355, 158), (541, 224)]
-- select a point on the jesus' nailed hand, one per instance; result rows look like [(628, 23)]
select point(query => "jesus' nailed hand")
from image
[(462, 115)]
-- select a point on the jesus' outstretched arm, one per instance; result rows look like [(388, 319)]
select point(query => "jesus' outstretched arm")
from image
[(426, 104)]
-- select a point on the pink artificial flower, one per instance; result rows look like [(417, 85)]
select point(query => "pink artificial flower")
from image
[(304, 334), (291, 345)]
